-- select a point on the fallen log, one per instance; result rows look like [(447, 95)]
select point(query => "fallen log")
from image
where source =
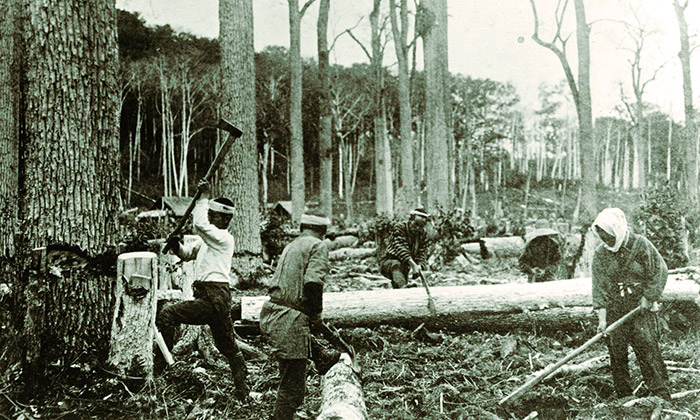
[(507, 246), (341, 394), (351, 253), (496, 307)]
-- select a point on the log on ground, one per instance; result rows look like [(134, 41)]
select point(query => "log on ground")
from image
[(351, 253), (341, 394), (497, 307)]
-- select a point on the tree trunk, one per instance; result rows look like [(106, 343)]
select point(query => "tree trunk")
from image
[(296, 139), (238, 175), (504, 247), (133, 322), (325, 144), (9, 128), (501, 307), (437, 136), (406, 197), (690, 128), (341, 393), (68, 174), (588, 166)]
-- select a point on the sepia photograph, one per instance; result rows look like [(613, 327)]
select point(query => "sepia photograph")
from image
[(350, 210)]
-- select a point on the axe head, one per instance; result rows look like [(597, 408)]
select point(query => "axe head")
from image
[(227, 126)]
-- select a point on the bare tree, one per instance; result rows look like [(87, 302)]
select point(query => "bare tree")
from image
[(382, 150), (325, 143), (691, 168), (295, 121), (406, 195), (581, 92), (433, 29), (239, 173), (638, 33)]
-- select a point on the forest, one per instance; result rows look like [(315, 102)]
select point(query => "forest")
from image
[(106, 120)]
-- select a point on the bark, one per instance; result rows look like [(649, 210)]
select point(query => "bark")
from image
[(436, 67), (406, 197), (296, 134), (133, 322), (501, 307), (325, 143), (68, 175), (238, 175), (585, 117), (691, 168), (9, 124), (341, 393)]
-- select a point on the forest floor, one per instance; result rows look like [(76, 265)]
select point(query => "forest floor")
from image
[(440, 375)]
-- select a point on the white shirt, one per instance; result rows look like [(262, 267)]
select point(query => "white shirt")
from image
[(213, 252)]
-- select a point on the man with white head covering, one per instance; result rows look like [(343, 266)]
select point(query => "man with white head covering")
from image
[(628, 271), (212, 296), (294, 308), (406, 249)]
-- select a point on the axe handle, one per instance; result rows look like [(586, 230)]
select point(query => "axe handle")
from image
[(164, 348), (223, 150), (550, 370), (431, 304)]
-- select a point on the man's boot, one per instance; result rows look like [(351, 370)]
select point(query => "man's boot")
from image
[(239, 373)]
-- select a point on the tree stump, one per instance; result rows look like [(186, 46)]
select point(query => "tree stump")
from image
[(133, 323)]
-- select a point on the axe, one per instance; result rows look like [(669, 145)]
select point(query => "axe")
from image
[(233, 134), (431, 304)]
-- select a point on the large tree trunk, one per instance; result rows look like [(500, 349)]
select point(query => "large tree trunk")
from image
[(406, 196), (68, 177), (691, 158), (585, 118), (437, 136), (325, 144), (9, 130), (341, 394), (296, 139), (500, 307), (239, 174)]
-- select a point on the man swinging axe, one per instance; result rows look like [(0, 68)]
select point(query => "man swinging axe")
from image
[(294, 312), (212, 255)]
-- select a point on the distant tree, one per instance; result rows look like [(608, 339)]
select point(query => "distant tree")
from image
[(638, 34), (406, 195), (691, 158), (325, 143), (295, 106), (239, 173), (580, 90), (433, 30)]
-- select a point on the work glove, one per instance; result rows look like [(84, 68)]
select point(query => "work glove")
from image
[(602, 325), (203, 186), (173, 243)]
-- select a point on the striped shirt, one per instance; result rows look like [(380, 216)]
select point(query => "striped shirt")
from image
[(404, 244)]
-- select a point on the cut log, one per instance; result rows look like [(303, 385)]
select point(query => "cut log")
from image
[(133, 322), (341, 394), (508, 246), (350, 253), (497, 307)]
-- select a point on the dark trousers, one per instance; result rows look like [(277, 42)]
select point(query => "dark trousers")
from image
[(211, 306), (642, 332), (292, 388), (395, 271)]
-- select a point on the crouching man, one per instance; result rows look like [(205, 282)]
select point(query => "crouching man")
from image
[(212, 296), (628, 271), (294, 308), (406, 250)]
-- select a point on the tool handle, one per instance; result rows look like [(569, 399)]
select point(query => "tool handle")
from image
[(164, 348), (431, 304), (223, 150), (553, 368)]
